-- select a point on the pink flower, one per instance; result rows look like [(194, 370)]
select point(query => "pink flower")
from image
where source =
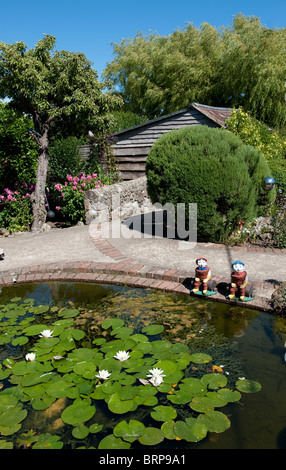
[(58, 208), (83, 185), (69, 178), (74, 187), (2, 197)]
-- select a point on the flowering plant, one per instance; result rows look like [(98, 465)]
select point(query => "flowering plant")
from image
[(71, 197), (16, 214)]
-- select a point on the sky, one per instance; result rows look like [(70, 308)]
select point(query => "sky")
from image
[(91, 26)]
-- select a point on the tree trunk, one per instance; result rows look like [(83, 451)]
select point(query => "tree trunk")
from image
[(38, 199)]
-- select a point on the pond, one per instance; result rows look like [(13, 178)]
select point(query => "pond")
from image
[(58, 400)]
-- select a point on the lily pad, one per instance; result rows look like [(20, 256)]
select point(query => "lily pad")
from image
[(248, 386), (200, 358), (129, 431), (153, 329), (151, 436), (77, 413), (48, 441), (112, 442), (80, 432), (118, 406), (214, 381), (164, 413), (215, 421), (191, 430)]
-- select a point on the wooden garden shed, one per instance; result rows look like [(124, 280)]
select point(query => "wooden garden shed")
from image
[(132, 145)]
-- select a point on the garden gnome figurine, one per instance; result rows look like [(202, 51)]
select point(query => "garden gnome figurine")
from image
[(239, 280), (203, 275), (1, 253)]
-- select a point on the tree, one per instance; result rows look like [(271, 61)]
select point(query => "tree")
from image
[(244, 64), (18, 153), (51, 86), (161, 74)]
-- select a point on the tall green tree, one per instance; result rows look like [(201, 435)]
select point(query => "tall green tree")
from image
[(51, 86), (18, 153), (253, 69), (243, 64)]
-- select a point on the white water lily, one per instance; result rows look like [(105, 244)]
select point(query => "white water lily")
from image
[(156, 372), (46, 334), (156, 376), (30, 357), (156, 380), (122, 356), (103, 374)]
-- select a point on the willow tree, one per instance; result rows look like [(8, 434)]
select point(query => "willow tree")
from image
[(253, 69), (161, 74), (243, 64), (52, 86)]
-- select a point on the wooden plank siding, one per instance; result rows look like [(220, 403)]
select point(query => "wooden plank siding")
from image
[(132, 145)]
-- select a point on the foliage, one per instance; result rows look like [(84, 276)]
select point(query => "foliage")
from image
[(243, 64), (55, 367), (18, 153), (124, 119), (278, 170), (64, 159), (52, 86), (212, 168), (257, 134), (16, 214), (161, 74), (279, 300), (71, 197), (279, 221)]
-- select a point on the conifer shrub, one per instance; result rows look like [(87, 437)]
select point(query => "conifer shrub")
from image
[(213, 168)]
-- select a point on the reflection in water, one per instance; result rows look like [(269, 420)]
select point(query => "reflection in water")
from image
[(245, 342)]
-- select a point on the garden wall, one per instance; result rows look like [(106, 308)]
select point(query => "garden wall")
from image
[(119, 200)]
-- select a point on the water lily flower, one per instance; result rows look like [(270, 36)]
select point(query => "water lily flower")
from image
[(122, 356), (30, 357), (156, 380), (46, 334), (156, 376), (156, 372), (103, 374)]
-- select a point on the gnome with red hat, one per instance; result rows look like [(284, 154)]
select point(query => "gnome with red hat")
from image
[(203, 275)]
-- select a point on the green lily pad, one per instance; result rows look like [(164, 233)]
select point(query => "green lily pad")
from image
[(167, 429), (214, 381), (191, 430), (248, 386), (200, 358), (69, 313), (80, 432), (151, 437), (153, 329), (95, 428), (215, 421), (113, 323), (118, 406), (112, 442), (20, 341), (129, 431), (164, 413), (48, 441), (77, 413)]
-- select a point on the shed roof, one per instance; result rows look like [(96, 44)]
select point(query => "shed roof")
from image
[(216, 114)]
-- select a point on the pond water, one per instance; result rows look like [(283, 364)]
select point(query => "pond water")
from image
[(242, 341)]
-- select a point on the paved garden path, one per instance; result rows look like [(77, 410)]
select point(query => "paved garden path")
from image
[(93, 254)]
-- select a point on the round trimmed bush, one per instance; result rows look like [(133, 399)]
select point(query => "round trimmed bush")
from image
[(213, 168)]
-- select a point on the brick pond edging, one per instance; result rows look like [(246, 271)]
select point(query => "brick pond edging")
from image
[(127, 272)]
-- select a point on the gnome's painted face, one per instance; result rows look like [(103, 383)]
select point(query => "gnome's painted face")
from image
[(238, 267), (202, 263)]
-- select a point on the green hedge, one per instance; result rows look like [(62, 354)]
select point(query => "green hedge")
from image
[(213, 168), (278, 170)]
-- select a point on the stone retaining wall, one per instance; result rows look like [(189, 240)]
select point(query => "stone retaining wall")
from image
[(119, 200)]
